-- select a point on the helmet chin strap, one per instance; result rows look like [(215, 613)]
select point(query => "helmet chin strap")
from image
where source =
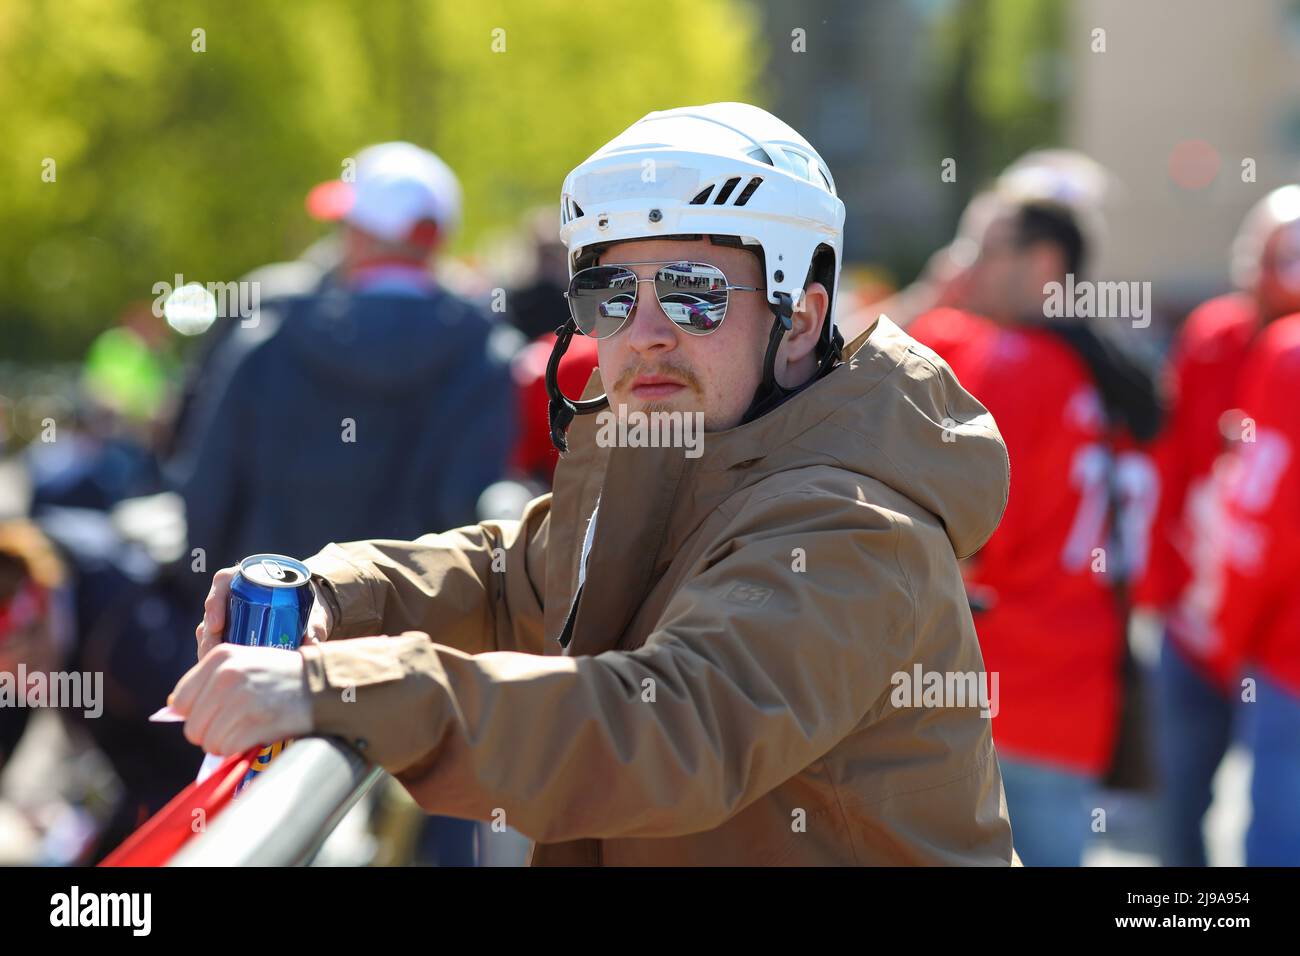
[(767, 396), (562, 409), (771, 393)]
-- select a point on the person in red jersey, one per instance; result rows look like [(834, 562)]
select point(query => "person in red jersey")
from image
[(1208, 366), (1049, 585), (1257, 615)]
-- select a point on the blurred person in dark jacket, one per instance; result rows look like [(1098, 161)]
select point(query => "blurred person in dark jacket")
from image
[(231, 335), (383, 403)]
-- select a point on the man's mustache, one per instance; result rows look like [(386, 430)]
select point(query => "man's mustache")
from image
[(681, 373)]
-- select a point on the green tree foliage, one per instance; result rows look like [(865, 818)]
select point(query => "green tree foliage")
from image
[(169, 160)]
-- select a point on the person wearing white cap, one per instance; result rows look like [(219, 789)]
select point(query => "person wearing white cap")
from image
[(397, 207), (400, 205), (352, 351)]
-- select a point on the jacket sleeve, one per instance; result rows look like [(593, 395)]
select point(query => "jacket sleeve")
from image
[(755, 670), (477, 588)]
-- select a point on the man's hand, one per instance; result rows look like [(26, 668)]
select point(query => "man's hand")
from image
[(238, 697), (210, 630)]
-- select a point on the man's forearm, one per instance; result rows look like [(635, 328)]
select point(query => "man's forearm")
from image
[(476, 588)]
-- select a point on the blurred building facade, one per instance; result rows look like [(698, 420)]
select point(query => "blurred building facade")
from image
[(853, 83), (1182, 95)]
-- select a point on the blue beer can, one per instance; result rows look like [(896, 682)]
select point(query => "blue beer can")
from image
[(270, 601)]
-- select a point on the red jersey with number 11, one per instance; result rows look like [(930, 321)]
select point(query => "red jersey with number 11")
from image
[(1053, 630)]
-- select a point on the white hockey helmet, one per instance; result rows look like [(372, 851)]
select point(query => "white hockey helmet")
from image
[(725, 169)]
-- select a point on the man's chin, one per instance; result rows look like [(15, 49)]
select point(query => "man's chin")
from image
[(662, 407)]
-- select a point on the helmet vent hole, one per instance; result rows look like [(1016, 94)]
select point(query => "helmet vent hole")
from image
[(748, 191), (726, 189), (577, 210), (703, 196)]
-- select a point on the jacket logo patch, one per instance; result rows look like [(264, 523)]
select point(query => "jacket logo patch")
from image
[(750, 595)]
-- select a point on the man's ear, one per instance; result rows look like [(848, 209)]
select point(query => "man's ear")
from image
[(796, 356), (807, 322)]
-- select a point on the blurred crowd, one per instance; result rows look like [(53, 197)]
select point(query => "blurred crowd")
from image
[(377, 388)]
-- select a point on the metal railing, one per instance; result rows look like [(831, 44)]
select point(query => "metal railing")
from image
[(284, 819)]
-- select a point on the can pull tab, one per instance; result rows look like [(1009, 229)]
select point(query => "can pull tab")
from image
[(273, 570)]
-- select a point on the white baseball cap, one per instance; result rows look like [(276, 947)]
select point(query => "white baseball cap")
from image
[(398, 189)]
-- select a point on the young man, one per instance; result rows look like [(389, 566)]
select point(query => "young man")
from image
[(684, 656)]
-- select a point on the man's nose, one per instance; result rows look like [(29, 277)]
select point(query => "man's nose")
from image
[(650, 329)]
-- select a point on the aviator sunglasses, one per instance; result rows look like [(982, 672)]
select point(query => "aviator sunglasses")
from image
[(694, 296)]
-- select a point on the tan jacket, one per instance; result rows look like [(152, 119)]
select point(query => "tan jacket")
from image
[(728, 694)]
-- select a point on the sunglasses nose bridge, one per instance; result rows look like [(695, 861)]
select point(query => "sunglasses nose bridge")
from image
[(654, 298)]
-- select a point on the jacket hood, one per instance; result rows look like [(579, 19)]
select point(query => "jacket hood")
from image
[(384, 343), (894, 412)]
